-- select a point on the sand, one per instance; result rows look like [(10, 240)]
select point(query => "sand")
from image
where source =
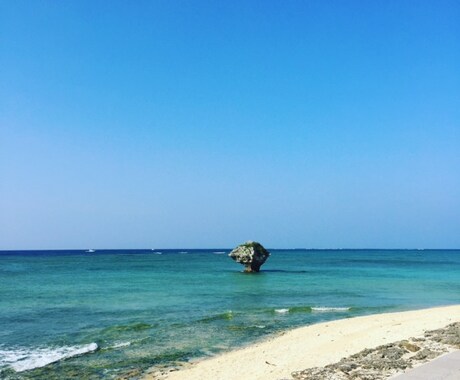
[(316, 345)]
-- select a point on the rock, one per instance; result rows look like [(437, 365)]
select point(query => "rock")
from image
[(251, 254), (409, 346), (318, 373), (426, 354), (391, 353), (450, 335), (387, 360)]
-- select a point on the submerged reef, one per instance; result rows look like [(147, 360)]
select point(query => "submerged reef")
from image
[(251, 254)]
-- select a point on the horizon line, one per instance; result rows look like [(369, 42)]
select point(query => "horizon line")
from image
[(227, 249)]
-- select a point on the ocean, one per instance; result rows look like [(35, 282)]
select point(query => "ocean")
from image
[(113, 313)]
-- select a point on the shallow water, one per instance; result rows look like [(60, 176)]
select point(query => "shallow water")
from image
[(142, 308)]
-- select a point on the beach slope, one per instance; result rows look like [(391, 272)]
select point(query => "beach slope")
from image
[(316, 345)]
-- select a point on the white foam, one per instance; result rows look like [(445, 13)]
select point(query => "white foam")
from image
[(281, 311), (121, 344), (326, 309), (26, 359)]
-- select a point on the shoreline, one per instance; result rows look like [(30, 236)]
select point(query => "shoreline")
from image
[(315, 345)]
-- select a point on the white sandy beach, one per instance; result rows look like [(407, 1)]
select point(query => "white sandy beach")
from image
[(316, 345)]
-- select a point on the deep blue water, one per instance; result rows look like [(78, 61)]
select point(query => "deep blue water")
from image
[(108, 312)]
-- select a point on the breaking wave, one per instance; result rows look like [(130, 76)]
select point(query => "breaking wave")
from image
[(330, 309), (281, 311), (26, 359), (310, 309)]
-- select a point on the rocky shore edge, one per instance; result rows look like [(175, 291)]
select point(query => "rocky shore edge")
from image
[(388, 360)]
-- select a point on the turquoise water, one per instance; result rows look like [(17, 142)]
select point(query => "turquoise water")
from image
[(100, 315)]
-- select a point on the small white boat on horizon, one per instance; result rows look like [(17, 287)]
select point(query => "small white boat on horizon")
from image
[(90, 251)]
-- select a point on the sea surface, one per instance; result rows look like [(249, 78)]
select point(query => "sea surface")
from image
[(113, 313)]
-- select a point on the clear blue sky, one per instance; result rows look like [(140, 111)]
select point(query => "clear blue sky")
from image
[(129, 124)]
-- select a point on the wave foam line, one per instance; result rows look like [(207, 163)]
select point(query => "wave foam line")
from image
[(281, 311), (326, 309), (308, 309), (121, 344), (26, 359)]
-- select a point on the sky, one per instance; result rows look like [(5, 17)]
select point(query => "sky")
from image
[(201, 124)]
